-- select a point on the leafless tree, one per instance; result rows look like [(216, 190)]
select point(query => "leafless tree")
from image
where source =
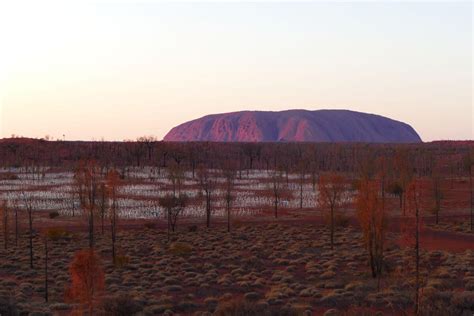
[(279, 189), (207, 184), (174, 206), (4, 210), (28, 204), (113, 182), (87, 179), (229, 173)]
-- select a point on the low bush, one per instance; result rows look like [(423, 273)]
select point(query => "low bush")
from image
[(58, 233), (8, 176), (239, 307), (8, 306), (121, 261), (150, 225), (53, 214), (121, 305), (180, 248)]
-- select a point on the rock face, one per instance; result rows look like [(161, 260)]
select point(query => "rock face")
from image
[(294, 126)]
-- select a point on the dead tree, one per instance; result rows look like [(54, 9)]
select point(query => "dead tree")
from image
[(229, 173), (113, 182), (4, 211), (87, 180), (46, 290), (28, 204), (331, 193), (174, 206), (279, 189), (207, 184)]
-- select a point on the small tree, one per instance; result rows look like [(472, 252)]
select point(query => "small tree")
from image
[(278, 188), (87, 279), (176, 177), (302, 169), (372, 221), (331, 194), (28, 203), (173, 205), (4, 211), (207, 184), (229, 173), (112, 183), (469, 167), (87, 181), (438, 195), (103, 204), (15, 209), (46, 283), (412, 231)]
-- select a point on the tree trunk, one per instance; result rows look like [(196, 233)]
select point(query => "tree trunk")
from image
[(46, 269), (472, 196), (332, 228), (30, 220), (301, 195), (16, 226), (228, 216), (91, 228), (417, 254)]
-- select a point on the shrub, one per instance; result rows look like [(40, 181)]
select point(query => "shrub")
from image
[(87, 278), (7, 306), (180, 248), (341, 220), (53, 214), (150, 225), (8, 176), (245, 308), (57, 233), (121, 305), (121, 261)]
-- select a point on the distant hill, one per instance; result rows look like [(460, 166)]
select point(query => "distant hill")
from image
[(294, 126)]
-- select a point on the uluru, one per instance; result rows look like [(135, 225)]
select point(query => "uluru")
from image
[(294, 126)]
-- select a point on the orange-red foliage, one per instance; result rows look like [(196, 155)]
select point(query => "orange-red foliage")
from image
[(87, 278), (371, 216)]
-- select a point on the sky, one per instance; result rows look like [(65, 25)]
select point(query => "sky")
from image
[(116, 71)]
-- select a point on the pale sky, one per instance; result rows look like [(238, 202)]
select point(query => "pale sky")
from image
[(120, 71)]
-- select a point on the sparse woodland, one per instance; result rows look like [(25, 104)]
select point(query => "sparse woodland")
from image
[(150, 228)]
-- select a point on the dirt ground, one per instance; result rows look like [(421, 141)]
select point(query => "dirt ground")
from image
[(284, 266)]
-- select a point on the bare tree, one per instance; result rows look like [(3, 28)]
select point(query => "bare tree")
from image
[(437, 193), (229, 173), (331, 192), (28, 203), (15, 209), (113, 182), (46, 289), (174, 206), (302, 169), (469, 166), (4, 211), (176, 177), (87, 179), (279, 189), (103, 204), (414, 204), (207, 184)]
